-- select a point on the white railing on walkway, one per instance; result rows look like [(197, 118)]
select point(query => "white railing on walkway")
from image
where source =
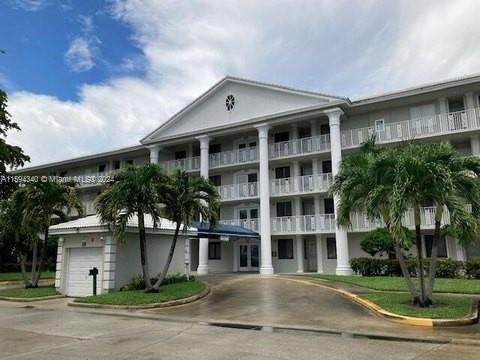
[(232, 157), (187, 164), (303, 224), (301, 184), (300, 146), (438, 124), (251, 224), (238, 191)]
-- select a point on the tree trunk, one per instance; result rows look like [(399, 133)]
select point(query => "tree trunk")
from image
[(21, 260), (43, 255), (143, 251), (406, 273), (163, 274), (434, 256), (34, 262), (418, 243)]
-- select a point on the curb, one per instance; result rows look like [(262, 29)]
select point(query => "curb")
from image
[(14, 299), (408, 320), (183, 301)]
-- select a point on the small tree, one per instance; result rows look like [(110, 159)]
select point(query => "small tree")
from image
[(184, 197), (378, 242)]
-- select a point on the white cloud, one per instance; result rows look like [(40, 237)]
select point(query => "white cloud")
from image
[(344, 47), (30, 5), (79, 55)]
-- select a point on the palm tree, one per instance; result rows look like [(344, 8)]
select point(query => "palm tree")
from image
[(132, 193), (43, 202), (185, 197), (365, 183), (435, 174)]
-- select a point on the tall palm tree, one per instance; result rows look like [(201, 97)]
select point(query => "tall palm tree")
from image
[(132, 193), (365, 183), (435, 174), (43, 202), (185, 197)]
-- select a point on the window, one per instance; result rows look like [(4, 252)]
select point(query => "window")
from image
[(180, 155), (456, 104), (282, 172), (324, 129), (442, 246), (102, 168), (379, 125), (329, 206), (253, 213), (304, 133), (116, 164), (285, 249), (216, 180), (242, 146), (243, 214), (253, 144), (230, 102), (281, 137), (284, 208), (196, 151), (215, 148), (253, 177), (331, 248), (326, 166), (214, 250)]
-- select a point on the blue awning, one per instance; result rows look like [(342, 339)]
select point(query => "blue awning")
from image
[(204, 229)]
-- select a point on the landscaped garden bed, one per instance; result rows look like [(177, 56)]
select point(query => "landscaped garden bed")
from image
[(175, 291)]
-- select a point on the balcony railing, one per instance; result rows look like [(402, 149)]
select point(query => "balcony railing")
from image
[(301, 184), (438, 124), (238, 191), (251, 224), (187, 164), (303, 224), (232, 157), (300, 146)]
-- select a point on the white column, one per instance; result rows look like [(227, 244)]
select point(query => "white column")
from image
[(296, 175), (461, 253), (475, 144), (203, 242), (59, 273), (295, 137), (265, 234), (300, 254), (236, 255), (442, 102), (320, 269), (314, 128), (109, 264), (154, 149), (469, 100), (343, 265)]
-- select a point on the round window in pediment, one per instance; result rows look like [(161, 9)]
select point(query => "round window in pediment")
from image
[(230, 102)]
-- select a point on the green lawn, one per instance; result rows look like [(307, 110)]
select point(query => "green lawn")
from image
[(387, 283), (17, 276), (29, 293), (139, 297), (444, 306)]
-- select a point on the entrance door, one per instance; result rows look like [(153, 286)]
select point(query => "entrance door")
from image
[(311, 254), (249, 257)]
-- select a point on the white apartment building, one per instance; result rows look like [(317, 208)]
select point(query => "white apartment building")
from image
[(272, 152)]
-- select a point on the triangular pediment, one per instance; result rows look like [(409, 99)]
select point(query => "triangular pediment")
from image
[(251, 100)]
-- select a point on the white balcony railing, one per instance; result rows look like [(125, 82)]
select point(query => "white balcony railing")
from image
[(300, 146), (303, 224), (232, 157), (238, 191), (251, 224), (187, 164), (438, 124), (301, 184)]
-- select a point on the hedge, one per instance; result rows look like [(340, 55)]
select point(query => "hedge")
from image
[(446, 268)]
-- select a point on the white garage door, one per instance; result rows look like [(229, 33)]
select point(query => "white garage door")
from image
[(81, 260)]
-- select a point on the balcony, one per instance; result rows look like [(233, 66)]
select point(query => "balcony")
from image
[(433, 125), (302, 224), (187, 164), (238, 191), (250, 224), (301, 184), (233, 157), (301, 146)]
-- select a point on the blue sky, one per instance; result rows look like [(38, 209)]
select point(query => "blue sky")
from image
[(88, 76)]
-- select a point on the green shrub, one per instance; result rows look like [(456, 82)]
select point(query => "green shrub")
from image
[(377, 242), (367, 266), (472, 268), (448, 268), (138, 283)]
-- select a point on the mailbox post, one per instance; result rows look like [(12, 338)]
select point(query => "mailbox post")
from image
[(94, 272)]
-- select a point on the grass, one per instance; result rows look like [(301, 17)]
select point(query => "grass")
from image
[(140, 297), (387, 283), (29, 293), (17, 276), (444, 307)]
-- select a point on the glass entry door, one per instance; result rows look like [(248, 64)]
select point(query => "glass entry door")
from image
[(249, 257)]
